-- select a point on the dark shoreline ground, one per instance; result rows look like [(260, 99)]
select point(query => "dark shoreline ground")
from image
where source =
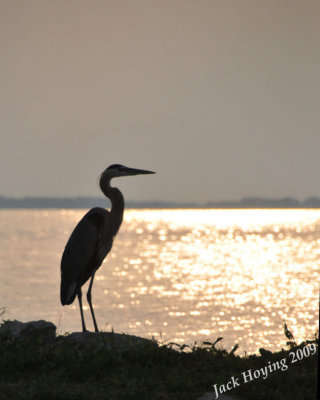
[(37, 364), (88, 202)]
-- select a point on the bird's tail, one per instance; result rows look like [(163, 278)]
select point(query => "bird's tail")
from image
[(68, 292)]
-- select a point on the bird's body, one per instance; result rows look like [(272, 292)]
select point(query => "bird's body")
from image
[(92, 240), (87, 247)]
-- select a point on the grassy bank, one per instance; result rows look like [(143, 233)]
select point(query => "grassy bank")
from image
[(30, 369)]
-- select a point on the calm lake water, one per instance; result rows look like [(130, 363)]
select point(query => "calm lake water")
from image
[(185, 275)]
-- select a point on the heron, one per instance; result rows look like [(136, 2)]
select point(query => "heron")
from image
[(92, 240)]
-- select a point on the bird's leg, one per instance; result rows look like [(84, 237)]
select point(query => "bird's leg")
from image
[(81, 311), (90, 304)]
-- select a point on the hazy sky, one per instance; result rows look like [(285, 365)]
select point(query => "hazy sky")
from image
[(220, 97)]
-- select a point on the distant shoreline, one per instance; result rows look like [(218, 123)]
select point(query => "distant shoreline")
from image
[(88, 202)]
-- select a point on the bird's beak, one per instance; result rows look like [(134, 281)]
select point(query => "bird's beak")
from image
[(134, 171)]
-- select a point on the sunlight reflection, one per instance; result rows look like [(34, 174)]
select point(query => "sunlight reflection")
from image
[(247, 261), (182, 275)]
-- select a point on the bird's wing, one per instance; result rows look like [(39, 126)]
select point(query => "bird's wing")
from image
[(83, 253)]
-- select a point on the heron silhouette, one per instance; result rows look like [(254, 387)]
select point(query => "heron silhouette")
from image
[(92, 240)]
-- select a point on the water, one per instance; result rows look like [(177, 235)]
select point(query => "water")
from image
[(184, 275)]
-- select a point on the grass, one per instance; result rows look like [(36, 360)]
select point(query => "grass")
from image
[(33, 370)]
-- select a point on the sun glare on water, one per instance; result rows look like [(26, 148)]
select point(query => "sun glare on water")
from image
[(182, 275)]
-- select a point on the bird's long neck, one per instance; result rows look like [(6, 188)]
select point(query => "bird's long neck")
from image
[(117, 203)]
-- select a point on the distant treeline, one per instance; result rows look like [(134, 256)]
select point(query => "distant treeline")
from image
[(88, 202)]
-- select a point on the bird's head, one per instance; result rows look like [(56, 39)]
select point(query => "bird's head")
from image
[(117, 170)]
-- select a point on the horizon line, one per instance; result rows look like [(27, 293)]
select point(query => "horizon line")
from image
[(91, 201)]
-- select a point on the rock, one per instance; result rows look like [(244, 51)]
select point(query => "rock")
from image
[(46, 333), (108, 340), (34, 330)]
